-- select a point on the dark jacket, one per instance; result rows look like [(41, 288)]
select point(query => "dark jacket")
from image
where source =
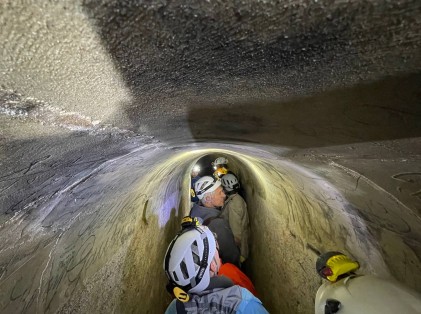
[(228, 250), (193, 197)]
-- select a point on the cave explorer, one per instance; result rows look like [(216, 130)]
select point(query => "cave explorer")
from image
[(191, 265), (235, 212), (220, 165), (211, 198), (194, 176)]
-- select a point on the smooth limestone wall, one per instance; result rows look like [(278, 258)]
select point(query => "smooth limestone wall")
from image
[(295, 214), (87, 233)]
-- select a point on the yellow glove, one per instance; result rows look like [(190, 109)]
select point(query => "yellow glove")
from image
[(242, 259)]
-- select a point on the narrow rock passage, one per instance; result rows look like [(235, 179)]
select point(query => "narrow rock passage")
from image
[(96, 243)]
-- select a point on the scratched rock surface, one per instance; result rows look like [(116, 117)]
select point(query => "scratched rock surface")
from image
[(382, 186), (143, 66), (65, 212)]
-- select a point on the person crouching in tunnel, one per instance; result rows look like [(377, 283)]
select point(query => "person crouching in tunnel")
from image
[(211, 198), (235, 212), (220, 165), (191, 265), (194, 178)]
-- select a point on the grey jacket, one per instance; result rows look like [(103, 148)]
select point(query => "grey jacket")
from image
[(222, 298), (228, 250)]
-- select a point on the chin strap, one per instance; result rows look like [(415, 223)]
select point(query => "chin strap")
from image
[(181, 295), (178, 292)]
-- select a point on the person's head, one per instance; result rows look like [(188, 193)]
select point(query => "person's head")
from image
[(192, 259), (195, 171), (209, 192), (220, 171), (230, 183), (220, 162)]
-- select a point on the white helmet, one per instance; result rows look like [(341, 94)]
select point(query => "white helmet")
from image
[(220, 161), (230, 182), (347, 293), (205, 185), (189, 257), (368, 295), (196, 168)]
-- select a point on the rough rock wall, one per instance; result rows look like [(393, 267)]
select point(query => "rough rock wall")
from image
[(298, 210), (143, 64)]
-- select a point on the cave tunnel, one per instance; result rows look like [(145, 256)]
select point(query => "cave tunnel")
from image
[(106, 105)]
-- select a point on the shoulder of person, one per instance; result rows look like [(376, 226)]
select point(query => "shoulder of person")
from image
[(230, 198), (195, 179), (172, 308), (238, 199), (250, 304)]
